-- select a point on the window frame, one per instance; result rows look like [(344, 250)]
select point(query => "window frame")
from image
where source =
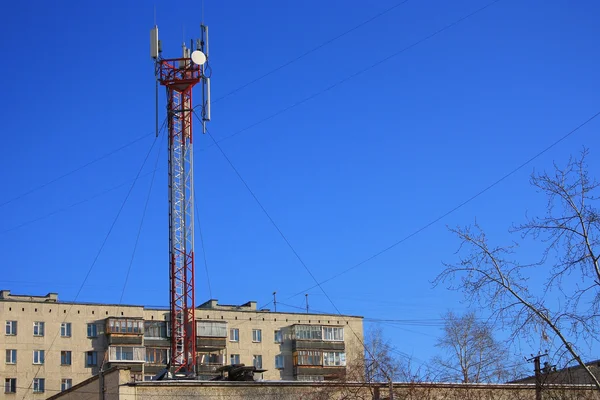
[(41, 356), (236, 356), (11, 384), (94, 330), (94, 357), (66, 384), (255, 358), (256, 335), (65, 329), (153, 328), (39, 385), (308, 358), (66, 355), (38, 328), (11, 328), (338, 357), (277, 336), (159, 355), (333, 333), (281, 364), (234, 334), (12, 360)]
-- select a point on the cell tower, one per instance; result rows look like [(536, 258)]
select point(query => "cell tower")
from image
[(179, 76)]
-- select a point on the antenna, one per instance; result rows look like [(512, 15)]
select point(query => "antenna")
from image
[(198, 57), (154, 53), (205, 76)]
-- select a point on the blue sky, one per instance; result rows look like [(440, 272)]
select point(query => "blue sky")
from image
[(345, 174)]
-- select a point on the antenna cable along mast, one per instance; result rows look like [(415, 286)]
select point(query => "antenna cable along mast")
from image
[(179, 76)]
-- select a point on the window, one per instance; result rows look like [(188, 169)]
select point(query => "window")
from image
[(11, 328), (279, 361), (278, 336), (127, 353), (38, 356), (211, 329), (234, 335), (39, 385), (308, 357), (257, 361), (333, 334), (10, 385), (65, 329), (91, 358), (125, 325), (334, 358), (155, 329), (256, 335), (11, 356), (210, 359), (234, 359), (65, 357), (124, 353), (156, 355), (92, 330), (66, 384), (308, 332), (38, 328)]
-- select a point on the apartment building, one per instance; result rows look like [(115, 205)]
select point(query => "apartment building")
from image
[(50, 346)]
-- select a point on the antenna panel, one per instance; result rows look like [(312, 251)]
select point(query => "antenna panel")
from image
[(154, 49)]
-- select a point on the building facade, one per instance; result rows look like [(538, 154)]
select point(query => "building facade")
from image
[(50, 346)]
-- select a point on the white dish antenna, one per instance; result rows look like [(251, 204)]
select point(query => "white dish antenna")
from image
[(198, 57)]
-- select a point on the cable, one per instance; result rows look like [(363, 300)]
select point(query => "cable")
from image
[(358, 338), (89, 271), (72, 171), (360, 72), (470, 199), (139, 232), (202, 244), (382, 13)]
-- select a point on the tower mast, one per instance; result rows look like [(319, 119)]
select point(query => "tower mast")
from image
[(179, 76)]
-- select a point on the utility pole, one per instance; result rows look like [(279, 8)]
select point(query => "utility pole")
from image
[(275, 301), (306, 295), (538, 374)]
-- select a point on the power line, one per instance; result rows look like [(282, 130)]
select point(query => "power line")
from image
[(97, 256), (360, 72), (35, 189), (459, 206), (63, 209), (382, 13), (139, 232), (358, 338), (202, 244)]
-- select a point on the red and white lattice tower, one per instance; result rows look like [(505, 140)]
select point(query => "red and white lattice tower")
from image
[(179, 76)]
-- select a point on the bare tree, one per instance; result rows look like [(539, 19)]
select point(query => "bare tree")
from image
[(473, 354), (564, 310)]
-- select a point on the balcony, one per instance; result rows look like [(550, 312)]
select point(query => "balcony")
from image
[(211, 335), (126, 354)]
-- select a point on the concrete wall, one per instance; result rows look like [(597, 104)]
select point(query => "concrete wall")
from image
[(119, 387)]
